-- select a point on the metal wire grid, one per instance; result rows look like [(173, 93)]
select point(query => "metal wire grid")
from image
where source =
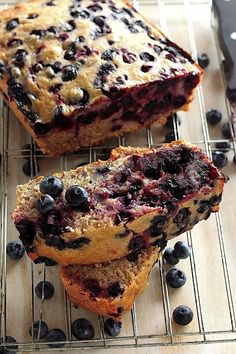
[(135, 340)]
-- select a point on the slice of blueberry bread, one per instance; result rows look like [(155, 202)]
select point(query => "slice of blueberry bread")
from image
[(109, 289), (107, 209), (77, 72)]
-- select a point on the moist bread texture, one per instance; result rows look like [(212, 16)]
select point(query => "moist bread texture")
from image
[(138, 198), (76, 73)]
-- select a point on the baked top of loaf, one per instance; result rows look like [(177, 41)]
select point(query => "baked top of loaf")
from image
[(110, 289), (133, 192), (58, 57)]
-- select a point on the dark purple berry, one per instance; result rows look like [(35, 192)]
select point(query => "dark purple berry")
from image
[(170, 257), (51, 185), (146, 68), (15, 250), (53, 29), (44, 290), (115, 290), (203, 60), (183, 315), (175, 278), (40, 330), (19, 57), (32, 16), (223, 146), (15, 42), (146, 56), (95, 7), (9, 349), (219, 159), (45, 204), (226, 131), (129, 58), (76, 196), (169, 137), (70, 55), (181, 250), (30, 168), (213, 116), (12, 24), (109, 54), (39, 33), (69, 72), (56, 335), (112, 328), (82, 329)]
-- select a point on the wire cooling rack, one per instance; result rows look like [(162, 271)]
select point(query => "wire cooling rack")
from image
[(210, 282)]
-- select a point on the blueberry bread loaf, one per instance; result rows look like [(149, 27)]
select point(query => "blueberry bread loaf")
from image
[(109, 289), (108, 209), (75, 73)]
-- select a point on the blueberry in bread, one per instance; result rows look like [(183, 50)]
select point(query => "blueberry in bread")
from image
[(75, 73), (110, 289), (108, 209)]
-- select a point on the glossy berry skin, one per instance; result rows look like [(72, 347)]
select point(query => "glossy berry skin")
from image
[(40, 330), (175, 278), (76, 196), (8, 350), (170, 257), (169, 137), (223, 146), (170, 121), (226, 131), (15, 250), (181, 250), (112, 328), (52, 186), (213, 116), (56, 335), (219, 159), (45, 204), (82, 329), (203, 60), (183, 315), (44, 290)]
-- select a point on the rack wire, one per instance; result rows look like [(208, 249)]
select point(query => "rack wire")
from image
[(133, 335)]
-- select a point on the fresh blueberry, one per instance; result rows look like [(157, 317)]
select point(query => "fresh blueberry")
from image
[(76, 196), (183, 315), (52, 186), (69, 72), (12, 24), (169, 137), (8, 350), (112, 328), (203, 60), (170, 257), (40, 329), (223, 146), (175, 278), (213, 116), (44, 290), (56, 335), (181, 250), (170, 121), (219, 159), (82, 329), (30, 168), (45, 204), (226, 131), (15, 250)]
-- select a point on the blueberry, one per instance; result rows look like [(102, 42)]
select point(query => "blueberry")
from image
[(223, 146), (19, 57), (52, 186), (146, 56), (70, 55), (32, 16), (129, 58), (76, 196), (40, 329), (219, 159), (39, 33), (226, 131), (45, 204), (115, 289), (109, 54), (203, 60), (169, 137), (69, 72), (170, 121), (15, 42), (82, 329), (12, 24), (181, 250), (213, 116), (15, 250), (183, 315), (30, 168), (8, 350), (170, 257), (44, 290), (112, 328), (175, 278), (56, 335)]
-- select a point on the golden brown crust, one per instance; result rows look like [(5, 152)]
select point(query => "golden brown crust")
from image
[(106, 306)]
